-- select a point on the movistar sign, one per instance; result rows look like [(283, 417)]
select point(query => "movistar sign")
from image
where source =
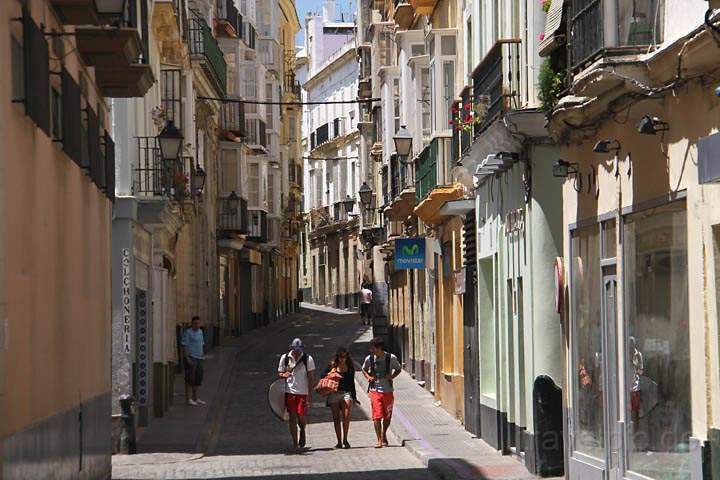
[(410, 253)]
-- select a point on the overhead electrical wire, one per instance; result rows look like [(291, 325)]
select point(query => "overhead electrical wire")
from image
[(296, 104), (331, 158)]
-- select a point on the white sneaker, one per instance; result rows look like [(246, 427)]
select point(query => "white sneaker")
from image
[(201, 402), (192, 403)]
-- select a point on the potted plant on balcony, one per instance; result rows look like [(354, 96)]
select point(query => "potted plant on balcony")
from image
[(551, 83), (466, 116)]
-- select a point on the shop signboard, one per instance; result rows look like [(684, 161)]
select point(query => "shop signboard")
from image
[(410, 253)]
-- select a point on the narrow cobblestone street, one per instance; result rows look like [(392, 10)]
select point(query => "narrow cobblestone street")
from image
[(236, 436)]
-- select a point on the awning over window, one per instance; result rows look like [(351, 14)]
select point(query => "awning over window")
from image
[(553, 29)]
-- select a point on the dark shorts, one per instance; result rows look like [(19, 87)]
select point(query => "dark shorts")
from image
[(193, 371)]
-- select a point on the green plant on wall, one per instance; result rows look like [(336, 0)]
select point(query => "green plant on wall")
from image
[(551, 83)]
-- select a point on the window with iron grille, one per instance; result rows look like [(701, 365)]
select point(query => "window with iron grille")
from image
[(71, 117), (171, 95), (56, 115), (35, 73)]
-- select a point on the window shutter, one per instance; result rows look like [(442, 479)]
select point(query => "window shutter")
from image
[(37, 74)]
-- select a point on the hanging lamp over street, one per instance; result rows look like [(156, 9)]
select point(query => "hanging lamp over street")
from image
[(170, 140), (365, 194), (403, 141)]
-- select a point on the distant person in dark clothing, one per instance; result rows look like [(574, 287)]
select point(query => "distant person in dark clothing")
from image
[(341, 402)]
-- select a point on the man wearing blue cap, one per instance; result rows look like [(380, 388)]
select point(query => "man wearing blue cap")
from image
[(297, 368)]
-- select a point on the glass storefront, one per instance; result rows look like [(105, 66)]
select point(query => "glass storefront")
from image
[(588, 355), (657, 360)]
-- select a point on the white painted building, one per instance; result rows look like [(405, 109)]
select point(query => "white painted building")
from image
[(331, 163)]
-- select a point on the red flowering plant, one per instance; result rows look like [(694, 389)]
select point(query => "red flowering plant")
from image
[(466, 115)]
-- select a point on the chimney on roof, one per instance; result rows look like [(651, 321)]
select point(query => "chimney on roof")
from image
[(329, 10)]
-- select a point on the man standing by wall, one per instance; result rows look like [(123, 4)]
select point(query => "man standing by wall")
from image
[(193, 343)]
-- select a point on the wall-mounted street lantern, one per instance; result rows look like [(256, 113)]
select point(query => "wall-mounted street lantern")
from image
[(605, 146), (349, 204), (198, 180), (170, 140), (563, 169), (232, 202), (651, 125), (366, 194), (403, 143)]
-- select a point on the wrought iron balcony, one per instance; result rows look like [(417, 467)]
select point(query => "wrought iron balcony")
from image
[(154, 178), (496, 83), (234, 222), (639, 25), (258, 227), (228, 19), (232, 119), (204, 47)]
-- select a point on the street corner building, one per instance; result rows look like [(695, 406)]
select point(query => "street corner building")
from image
[(640, 230), (143, 184)]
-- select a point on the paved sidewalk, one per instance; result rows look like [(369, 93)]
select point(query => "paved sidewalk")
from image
[(438, 439), (241, 439)]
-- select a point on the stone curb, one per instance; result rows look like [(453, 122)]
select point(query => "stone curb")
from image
[(412, 443)]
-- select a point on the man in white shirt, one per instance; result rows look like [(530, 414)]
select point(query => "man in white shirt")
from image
[(366, 298), (297, 368)]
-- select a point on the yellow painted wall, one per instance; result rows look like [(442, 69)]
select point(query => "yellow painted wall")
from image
[(57, 270)]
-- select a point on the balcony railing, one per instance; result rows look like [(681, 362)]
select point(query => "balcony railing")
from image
[(232, 118), (291, 85), (258, 227), (152, 177), (228, 15), (204, 46), (426, 170), (496, 82), (237, 221), (639, 25)]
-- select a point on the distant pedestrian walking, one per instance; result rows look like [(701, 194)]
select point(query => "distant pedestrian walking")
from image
[(380, 368), (342, 400), (193, 344), (297, 368), (366, 299)]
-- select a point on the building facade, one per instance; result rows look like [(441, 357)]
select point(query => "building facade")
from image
[(58, 189), (638, 134), (330, 137), (165, 265)]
